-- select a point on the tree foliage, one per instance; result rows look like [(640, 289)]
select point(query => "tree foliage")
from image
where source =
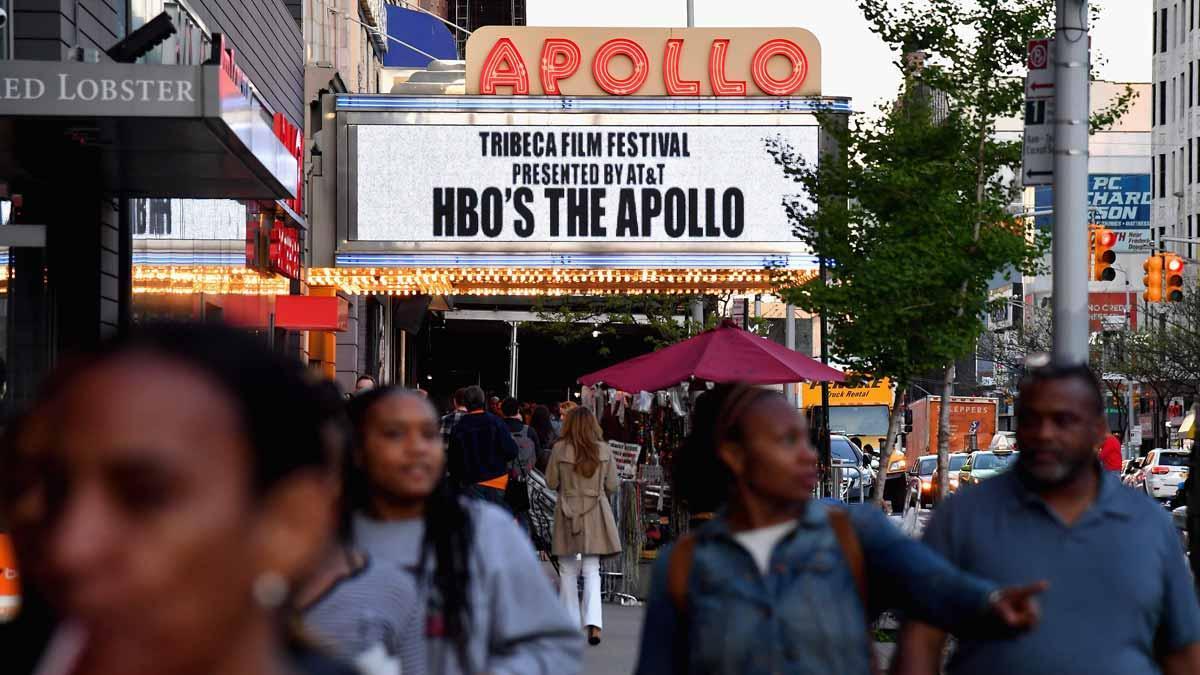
[(666, 319), (915, 216)]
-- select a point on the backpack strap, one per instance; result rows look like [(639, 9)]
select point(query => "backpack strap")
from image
[(843, 530), (852, 551), (679, 568)]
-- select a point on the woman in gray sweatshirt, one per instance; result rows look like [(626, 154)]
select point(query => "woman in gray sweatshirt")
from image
[(489, 608)]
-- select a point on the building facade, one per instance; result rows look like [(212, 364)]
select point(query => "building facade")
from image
[(188, 112), (1175, 165)]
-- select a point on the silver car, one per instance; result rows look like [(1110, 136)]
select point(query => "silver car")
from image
[(857, 479)]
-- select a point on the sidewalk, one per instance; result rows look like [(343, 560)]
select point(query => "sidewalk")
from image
[(617, 654)]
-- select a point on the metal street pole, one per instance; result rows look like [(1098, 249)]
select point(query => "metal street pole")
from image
[(513, 356), (1070, 182), (691, 13), (698, 314), (789, 338)]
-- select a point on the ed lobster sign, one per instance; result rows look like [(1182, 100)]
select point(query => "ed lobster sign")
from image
[(537, 61)]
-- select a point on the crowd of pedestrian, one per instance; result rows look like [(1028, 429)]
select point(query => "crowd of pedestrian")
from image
[(184, 500)]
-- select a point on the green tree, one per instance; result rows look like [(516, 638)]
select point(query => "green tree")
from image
[(914, 216)]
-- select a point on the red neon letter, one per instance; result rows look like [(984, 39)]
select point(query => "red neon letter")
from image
[(554, 69), (629, 49), (762, 76), (716, 71), (512, 74), (675, 85)]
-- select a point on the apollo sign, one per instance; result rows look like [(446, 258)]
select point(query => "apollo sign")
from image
[(522, 61)]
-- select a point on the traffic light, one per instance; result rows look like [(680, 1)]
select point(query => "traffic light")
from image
[(1154, 278), (1103, 256), (1174, 283)]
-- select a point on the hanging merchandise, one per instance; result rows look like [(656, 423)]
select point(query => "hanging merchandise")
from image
[(643, 402), (587, 397), (677, 399)]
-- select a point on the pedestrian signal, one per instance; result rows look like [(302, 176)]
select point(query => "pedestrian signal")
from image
[(1174, 282), (1103, 256), (1154, 278)]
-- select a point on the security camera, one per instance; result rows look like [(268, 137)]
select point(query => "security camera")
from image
[(3, 18)]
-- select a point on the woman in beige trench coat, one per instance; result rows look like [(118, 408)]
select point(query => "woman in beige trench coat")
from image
[(582, 470)]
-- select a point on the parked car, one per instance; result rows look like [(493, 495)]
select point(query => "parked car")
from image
[(984, 464), (954, 464), (1163, 472), (920, 479), (858, 479)]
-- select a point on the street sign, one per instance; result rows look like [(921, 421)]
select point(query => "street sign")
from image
[(1037, 166), (1040, 81), (1037, 152)]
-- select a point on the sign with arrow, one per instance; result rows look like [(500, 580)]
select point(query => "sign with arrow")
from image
[(1037, 152), (1037, 165), (1040, 81)]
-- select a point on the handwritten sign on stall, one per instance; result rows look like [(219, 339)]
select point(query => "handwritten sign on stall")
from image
[(626, 457)]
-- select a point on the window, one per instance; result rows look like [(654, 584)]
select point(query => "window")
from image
[(1162, 30), (1172, 96), (1162, 175), (1191, 84), (1154, 33), (1162, 102), (1189, 160), (1192, 17), (317, 31), (1172, 459), (842, 450)]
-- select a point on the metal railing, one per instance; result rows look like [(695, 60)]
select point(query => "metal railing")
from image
[(844, 482)]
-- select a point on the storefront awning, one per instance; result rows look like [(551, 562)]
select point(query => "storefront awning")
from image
[(140, 130), (1188, 425)]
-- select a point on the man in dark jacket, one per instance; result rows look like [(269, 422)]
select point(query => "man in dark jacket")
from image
[(480, 450)]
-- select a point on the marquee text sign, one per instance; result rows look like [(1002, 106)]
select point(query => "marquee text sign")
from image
[(574, 184), (540, 61)]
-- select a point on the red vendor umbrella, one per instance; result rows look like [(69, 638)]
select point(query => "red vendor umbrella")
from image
[(724, 354)]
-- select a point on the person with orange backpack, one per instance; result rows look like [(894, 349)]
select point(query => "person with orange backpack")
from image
[(779, 582)]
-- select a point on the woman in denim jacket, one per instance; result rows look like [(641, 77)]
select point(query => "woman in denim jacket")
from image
[(780, 583)]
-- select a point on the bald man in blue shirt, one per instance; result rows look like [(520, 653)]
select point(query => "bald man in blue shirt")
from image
[(1120, 601)]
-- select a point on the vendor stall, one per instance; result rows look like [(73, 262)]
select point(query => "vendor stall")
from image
[(644, 405)]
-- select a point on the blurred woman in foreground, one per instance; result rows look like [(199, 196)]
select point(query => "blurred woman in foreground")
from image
[(488, 605), (166, 493), (779, 582)]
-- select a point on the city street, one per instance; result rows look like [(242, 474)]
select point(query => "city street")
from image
[(331, 309)]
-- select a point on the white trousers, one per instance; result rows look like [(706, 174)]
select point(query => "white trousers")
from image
[(568, 580)]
